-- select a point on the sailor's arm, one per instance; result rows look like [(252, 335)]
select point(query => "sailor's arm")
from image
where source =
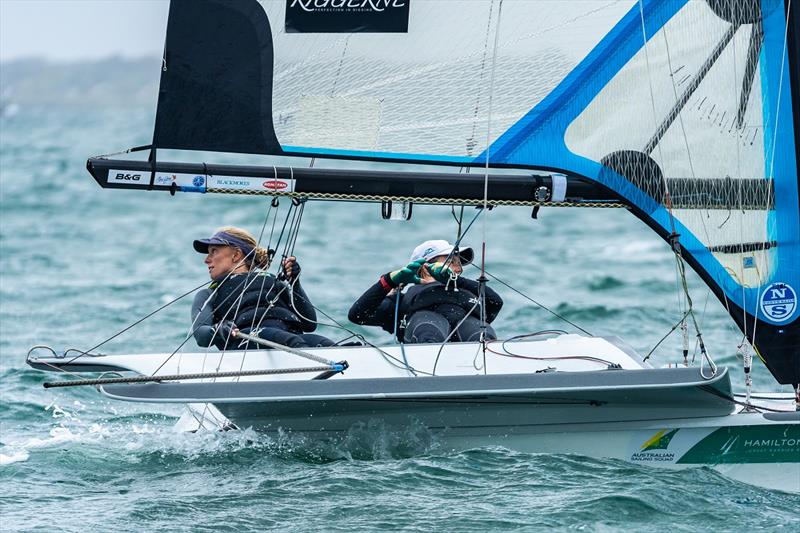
[(493, 300), (202, 318), (299, 299), (493, 304), (374, 307)]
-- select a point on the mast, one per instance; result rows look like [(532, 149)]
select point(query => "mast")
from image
[(793, 52)]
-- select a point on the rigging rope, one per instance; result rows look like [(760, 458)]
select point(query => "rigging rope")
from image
[(537, 303), (397, 363), (255, 327), (396, 336), (274, 205), (674, 236), (137, 322), (452, 332), (507, 353), (482, 279)]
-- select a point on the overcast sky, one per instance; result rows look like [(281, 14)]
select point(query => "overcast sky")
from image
[(68, 30)]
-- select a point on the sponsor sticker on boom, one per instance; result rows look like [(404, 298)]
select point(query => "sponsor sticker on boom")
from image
[(278, 185), (235, 183), (129, 177)]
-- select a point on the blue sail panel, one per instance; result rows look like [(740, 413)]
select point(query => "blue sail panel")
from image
[(644, 108)]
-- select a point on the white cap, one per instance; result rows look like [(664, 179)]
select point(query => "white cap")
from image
[(430, 249)]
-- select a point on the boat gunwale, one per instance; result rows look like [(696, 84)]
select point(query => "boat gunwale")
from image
[(431, 387)]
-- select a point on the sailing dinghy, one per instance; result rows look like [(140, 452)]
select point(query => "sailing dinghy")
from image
[(683, 112)]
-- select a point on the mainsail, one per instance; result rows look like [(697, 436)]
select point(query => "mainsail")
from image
[(686, 111)]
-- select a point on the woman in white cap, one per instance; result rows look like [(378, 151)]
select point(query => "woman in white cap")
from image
[(436, 302), (243, 296)]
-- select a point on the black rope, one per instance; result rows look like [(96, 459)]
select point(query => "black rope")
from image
[(272, 206), (461, 237), (294, 230), (561, 357), (677, 324), (291, 238), (459, 219), (720, 394), (283, 228)]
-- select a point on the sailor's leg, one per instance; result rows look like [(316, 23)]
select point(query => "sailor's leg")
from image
[(426, 326), (281, 336), (470, 330), (315, 341)]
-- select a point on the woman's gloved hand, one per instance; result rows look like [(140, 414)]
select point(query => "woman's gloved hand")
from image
[(291, 268), (226, 329), (440, 272), (407, 274)]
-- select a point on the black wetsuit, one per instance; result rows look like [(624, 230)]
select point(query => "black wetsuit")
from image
[(259, 304), (430, 310)]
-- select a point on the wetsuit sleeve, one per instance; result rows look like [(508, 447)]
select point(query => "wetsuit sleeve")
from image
[(303, 306), (493, 301), (374, 307), (202, 318)]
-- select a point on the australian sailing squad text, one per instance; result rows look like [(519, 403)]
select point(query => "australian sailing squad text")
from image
[(349, 5)]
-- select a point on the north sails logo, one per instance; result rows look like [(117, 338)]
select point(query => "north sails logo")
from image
[(311, 6), (779, 301)]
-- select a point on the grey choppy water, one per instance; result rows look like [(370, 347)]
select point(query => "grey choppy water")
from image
[(78, 263)]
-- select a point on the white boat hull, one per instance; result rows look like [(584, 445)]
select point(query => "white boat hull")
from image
[(547, 401)]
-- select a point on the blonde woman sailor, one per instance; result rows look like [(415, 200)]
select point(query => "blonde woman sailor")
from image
[(243, 296)]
